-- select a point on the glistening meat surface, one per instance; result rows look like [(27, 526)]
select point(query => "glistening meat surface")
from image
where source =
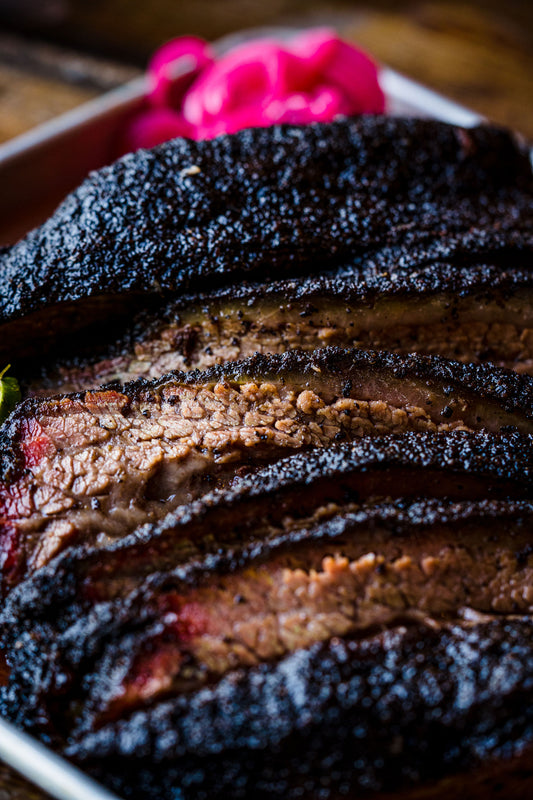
[(100, 463), (476, 313), (426, 562)]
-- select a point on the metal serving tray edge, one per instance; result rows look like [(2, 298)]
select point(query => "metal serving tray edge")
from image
[(37, 170)]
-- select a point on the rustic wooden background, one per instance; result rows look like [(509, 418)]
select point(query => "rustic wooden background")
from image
[(54, 54)]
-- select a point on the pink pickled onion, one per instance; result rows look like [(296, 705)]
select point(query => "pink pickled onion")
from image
[(242, 78), (312, 77), (185, 55)]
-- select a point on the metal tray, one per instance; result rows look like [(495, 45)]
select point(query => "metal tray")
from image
[(37, 170)]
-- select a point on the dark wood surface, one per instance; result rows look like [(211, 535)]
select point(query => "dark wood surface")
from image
[(59, 53)]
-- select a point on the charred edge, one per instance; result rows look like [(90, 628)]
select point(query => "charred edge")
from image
[(184, 229), (365, 284), (513, 392), (11, 456), (58, 583), (489, 284), (408, 705)]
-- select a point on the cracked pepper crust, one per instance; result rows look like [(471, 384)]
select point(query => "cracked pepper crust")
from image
[(314, 628), (459, 465), (269, 730), (286, 200)]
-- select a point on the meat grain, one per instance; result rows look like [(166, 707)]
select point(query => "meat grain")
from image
[(98, 464), (475, 313)]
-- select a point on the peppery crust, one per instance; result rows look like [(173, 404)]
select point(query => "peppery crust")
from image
[(265, 731), (186, 212), (68, 644)]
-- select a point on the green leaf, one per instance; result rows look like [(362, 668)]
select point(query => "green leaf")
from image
[(9, 394)]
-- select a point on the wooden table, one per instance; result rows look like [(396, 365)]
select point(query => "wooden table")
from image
[(57, 54)]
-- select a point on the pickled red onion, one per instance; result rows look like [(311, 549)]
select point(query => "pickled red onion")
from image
[(184, 55), (313, 77)]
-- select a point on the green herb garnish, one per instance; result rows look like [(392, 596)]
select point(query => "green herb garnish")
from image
[(9, 394)]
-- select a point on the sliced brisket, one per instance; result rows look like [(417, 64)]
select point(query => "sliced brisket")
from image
[(97, 464), (295, 553), (146, 678), (473, 313), (279, 201), (188, 614), (266, 508)]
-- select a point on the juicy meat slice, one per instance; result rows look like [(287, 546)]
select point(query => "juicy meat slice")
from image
[(271, 507), (349, 575), (341, 718), (207, 591), (103, 462), (474, 313), (281, 201), (296, 555)]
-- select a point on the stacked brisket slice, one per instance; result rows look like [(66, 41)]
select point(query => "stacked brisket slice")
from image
[(315, 624), (404, 234), (475, 313), (259, 573)]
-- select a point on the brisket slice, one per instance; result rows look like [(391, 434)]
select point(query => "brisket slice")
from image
[(82, 654), (272, 507), (286, 199), (97, 464), (474, 313), (352, 575), (341, 718)]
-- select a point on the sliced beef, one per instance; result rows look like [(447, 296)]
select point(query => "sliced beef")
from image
[(105, 631), (340, 621), (272, 506), (472, 313), (117, 651), (351, 575), (281, 201), (340, 719), (102, 462)]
